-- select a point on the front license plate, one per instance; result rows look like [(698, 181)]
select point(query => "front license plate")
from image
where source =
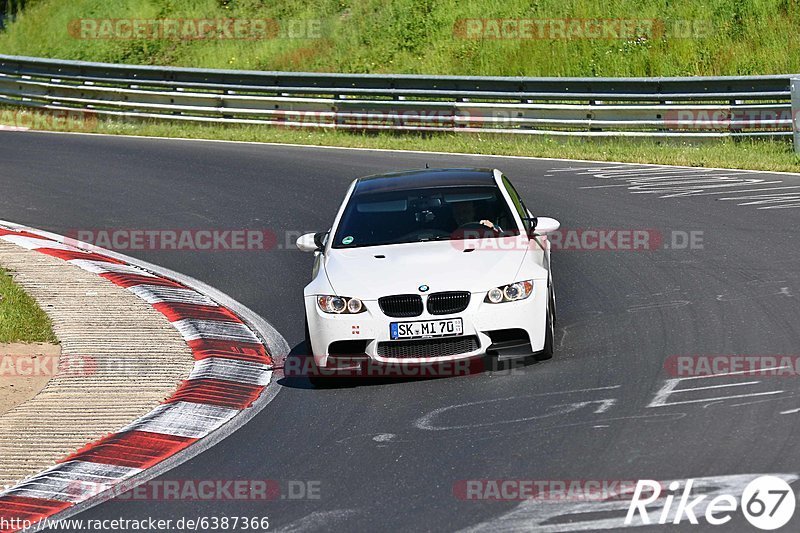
[(427, 328)]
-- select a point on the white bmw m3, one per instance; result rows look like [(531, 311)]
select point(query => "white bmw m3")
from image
[(430, 265)]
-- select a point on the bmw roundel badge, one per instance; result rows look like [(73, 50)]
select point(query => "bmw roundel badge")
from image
[(423, 288)]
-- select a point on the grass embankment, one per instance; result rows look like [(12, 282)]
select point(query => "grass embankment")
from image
[(21, 319), (716, 37)]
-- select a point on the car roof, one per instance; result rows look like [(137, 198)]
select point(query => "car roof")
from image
[(426, 178)]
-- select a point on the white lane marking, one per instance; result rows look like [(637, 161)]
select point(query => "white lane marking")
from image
[(426, 422), (674, 182), (772, 399), (735, 373), (612, 167), (791, 411), (384, 437), (563, 516), (605, 405), (669, 389), (609, 172), (649, 174), (648, 183), (667, 178), (748, 190), (662, 184), (791, 206), (571, 391), (719, 398), (717, 386), (761, 199), (694, 192)]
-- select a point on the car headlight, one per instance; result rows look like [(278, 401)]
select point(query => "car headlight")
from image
[(510, 293), (339, 304)]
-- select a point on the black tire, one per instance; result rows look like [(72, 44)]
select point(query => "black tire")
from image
[(547, 352)]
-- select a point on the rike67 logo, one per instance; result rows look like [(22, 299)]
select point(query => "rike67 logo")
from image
[(767, 502)]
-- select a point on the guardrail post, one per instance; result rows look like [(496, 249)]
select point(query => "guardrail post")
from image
[(795, 85)]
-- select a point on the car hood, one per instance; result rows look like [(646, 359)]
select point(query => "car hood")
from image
[(442, 266)]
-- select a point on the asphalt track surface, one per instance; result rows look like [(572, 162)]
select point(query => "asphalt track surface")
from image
[(387, 455)]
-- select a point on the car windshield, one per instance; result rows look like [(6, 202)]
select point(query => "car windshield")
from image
[(419, 215)]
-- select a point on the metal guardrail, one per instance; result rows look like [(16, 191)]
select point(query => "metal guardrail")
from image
[(698, 107)]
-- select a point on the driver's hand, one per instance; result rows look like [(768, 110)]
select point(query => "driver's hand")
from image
[(489, 224)]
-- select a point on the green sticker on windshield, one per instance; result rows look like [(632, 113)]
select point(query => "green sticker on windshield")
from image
[(347, 240)]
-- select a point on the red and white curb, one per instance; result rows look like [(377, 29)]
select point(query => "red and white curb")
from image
[(233, 350)]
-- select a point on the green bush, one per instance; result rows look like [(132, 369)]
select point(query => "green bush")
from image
[(417, 36)]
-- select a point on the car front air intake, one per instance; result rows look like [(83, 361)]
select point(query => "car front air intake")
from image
[(401, 305), (448, 303)]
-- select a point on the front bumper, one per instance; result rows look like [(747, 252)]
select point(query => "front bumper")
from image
[(496, 329)]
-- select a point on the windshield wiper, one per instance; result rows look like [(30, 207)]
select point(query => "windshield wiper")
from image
[(436, 238)]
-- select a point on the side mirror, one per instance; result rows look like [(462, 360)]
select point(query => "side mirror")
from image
[(319, 239), (545, 225), (312, 242)]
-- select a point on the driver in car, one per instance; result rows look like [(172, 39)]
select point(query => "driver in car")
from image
[(465, 213)]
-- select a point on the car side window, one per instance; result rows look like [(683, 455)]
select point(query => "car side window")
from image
[(519, 205)]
